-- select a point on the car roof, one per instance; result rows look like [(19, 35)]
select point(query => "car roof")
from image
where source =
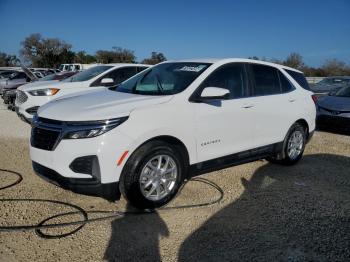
[(342, 77), (232, 60), (122, 64)]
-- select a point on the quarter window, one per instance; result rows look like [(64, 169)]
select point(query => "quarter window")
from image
[(299, 78), (231, 77), (286, 86), (266, 80)]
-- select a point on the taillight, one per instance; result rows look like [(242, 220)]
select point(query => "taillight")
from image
[(314, 98)]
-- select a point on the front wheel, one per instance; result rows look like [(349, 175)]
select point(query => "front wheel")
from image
[(293, 146), (153, 175)]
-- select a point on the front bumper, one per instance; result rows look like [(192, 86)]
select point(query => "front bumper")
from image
[(333, 122), (28, 120), (87, 186), (333, 119), (108, 148), (25, 108)]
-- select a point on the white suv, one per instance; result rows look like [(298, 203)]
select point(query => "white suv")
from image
[(30, 97), (172, 121)]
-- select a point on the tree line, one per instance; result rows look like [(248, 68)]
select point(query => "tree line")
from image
[(37, 51), (331, 67)]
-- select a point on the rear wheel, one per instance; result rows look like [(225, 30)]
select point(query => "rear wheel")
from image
[(293, 146), (152, 175)]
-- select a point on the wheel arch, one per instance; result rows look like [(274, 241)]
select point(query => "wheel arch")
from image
[(172, 141), (305, 124)]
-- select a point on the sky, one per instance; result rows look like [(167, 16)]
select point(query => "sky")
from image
[(318, 30)]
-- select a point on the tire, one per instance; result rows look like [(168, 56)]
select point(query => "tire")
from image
[(139, 171), (286, 156)]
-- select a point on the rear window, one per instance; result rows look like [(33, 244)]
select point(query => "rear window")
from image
[(299, 78), (266, 80)]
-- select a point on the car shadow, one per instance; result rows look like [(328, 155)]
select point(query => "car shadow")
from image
[(136, 237), (296, 213)]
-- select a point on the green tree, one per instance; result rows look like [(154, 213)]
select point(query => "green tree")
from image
[(46, 52), (294, 60), (154, 59), (82, 57), (8, 60), (334, 67), (116, 55)]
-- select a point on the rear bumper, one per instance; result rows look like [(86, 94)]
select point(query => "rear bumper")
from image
[(86, 186)]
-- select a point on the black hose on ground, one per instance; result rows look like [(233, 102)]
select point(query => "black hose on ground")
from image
[(81, 223)]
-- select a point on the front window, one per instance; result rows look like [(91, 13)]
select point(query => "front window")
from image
[(343, 92), (88, 74), (48, 78), (163, 79), (18, 75)]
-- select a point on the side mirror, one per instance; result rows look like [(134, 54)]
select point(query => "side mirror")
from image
[(107, 81), (214, 93)]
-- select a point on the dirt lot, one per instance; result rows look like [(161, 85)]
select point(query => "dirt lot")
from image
[(268, 212)]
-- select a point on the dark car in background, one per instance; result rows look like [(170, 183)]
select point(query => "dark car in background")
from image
[(330, 84), (15, 80), (333, 110)]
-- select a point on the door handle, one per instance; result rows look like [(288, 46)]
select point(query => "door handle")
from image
[(291, 100), (248, 106)]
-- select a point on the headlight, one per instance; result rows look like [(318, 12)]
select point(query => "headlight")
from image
[(44, 92), (77, 130)]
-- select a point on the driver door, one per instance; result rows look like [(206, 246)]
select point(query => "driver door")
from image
[(225, 127)]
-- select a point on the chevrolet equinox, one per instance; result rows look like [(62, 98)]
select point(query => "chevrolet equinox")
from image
[(145, 136)]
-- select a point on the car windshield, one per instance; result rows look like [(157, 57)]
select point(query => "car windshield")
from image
[(163, 79), (325, 81), (87, 74), (48, 77), (343, 92)]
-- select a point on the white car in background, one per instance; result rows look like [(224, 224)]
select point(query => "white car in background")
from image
[(30, 98), (75, 67), (171, 121)]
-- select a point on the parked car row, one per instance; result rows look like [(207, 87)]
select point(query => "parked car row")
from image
[(9, 94), (75, 67), (140, 131), (31, 97)]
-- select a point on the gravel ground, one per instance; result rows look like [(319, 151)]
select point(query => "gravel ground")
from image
[(268, 212)]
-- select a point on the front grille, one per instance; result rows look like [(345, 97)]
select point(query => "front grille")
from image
[(21, 97), (44, 139)]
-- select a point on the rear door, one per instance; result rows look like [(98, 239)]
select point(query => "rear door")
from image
[(274, 104), (224, 127)]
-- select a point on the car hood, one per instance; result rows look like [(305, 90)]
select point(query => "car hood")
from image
[(29, 73), (335, 103), (99, 105), (11, 84), (30, 86), (51, 84)]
